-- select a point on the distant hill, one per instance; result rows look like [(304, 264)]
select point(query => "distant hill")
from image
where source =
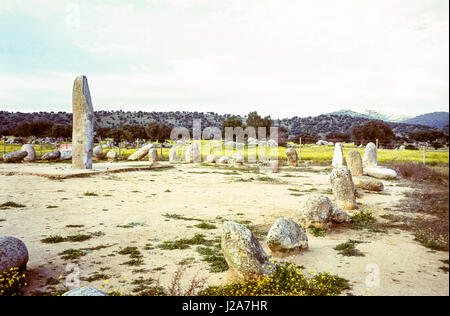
[(374, 115), (435, 119), (322, 124)]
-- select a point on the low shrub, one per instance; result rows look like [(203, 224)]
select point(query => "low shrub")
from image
[(287, 280), (12, 282)]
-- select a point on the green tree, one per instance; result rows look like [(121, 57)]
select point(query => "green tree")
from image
[(371, 131), (255, 120), (232, 121)]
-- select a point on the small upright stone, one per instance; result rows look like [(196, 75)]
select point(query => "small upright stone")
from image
[(319, 212), (274, 166), (243, 253), (292, 157), (193, 153), (83, 125), (343, 188), (13, 254), (286, 237), (238, 159), (173, 155), (370, 158), (354, 163), (31, 153), (338, 156), (211, 159), (65, 154), (98, 152), (112, 155), (223, 159), (153, 156)]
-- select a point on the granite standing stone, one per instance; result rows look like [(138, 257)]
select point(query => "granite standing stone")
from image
[(292, 157), (83, 125), (286, 237), (13, 253), (343, 188), (243, 253), (354, 163), (173, 155), (338, 156), (370, 158)]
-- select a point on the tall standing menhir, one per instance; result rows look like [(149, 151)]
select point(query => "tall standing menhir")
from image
[(83, 125)]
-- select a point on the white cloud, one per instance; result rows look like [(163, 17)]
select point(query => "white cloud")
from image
[(282, 57)]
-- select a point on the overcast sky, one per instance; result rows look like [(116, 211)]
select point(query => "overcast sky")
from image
[(280, 57)]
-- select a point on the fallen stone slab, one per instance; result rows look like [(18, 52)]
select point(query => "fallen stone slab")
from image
[(53, 155), (381, 173), (15, 156), (368, 183)]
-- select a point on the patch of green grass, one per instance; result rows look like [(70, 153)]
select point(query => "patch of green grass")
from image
[(131, 225), (90, 194), (53, 239), (140, 271), (184, 243), (74, 238), (205, 225), (245, 180), (133, 252), (9, 204), (52, 206), (267, 179), (159, 269), (293, 190), (186, 261), (363, 219), (317, 232), (74, 226), (95, 277), (348, 249), (214, 257), (78, 238), (72, 254), (180, 217), (134, 262)]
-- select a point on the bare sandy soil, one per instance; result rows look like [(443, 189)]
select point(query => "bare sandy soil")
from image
[(206, 193)]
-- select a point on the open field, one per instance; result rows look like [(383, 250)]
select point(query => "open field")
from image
[(126, 232), (321, 154)]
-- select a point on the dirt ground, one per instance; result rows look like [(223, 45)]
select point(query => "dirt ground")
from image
[(131, 209)]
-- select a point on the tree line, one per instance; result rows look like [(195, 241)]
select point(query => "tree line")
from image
[(360, 134)]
